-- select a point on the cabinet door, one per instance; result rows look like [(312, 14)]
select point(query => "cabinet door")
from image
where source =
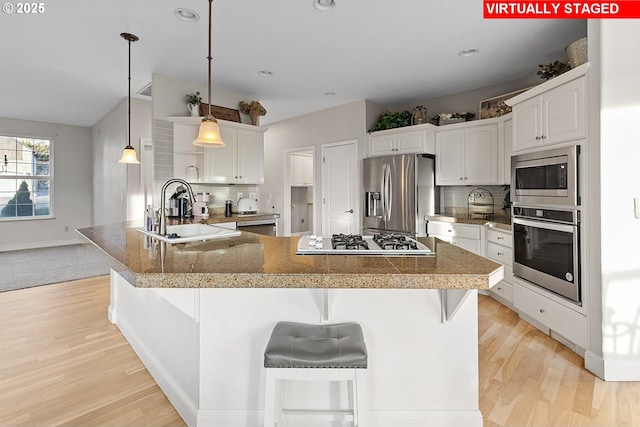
[(449, 157), (308, 171), (410, 142), (508, 149), (564, 112), (481, 155), (381, 145), (250, 157), (220, 164), (301, 171), (527, 126)]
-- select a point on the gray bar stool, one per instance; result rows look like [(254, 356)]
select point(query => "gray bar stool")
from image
[(301, 352)]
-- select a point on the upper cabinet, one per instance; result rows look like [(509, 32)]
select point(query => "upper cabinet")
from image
[(301, 170), (240, 162), (551, 113), (406, 140), (468, 155)]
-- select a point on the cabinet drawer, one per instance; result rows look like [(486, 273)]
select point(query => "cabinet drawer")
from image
[(500, 237), (566, 322), (504, 290), (466, 231), (499, 253)]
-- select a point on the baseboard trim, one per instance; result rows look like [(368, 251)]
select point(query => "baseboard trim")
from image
[(34, 245), (244, 418), (618, 370), (594, 364), (422, 418)]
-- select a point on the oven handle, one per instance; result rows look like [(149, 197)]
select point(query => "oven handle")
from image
[(568, 228)]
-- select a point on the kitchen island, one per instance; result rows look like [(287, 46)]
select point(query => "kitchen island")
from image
[(199, 315)]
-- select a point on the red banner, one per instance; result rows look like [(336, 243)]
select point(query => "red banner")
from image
[(496, 9)]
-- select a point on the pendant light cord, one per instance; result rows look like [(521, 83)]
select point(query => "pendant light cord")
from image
[(209, 57)]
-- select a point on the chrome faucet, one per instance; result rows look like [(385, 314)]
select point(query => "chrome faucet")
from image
[(163, 215)]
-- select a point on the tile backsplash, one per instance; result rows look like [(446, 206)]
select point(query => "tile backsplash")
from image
[(219, 193), (454, 199)]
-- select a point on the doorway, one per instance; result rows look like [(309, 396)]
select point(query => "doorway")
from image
[(340, 184), (299, 191)]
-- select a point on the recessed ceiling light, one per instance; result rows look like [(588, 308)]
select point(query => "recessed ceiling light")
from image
[(468, 52), (324, 5), (266, 73), (185, 14)]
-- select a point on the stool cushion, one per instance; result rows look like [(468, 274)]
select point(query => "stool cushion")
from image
[(297, 345)]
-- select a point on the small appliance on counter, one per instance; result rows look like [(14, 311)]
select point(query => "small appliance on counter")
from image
[(200, 207), (179, 204), (247, 207), (228, 208)]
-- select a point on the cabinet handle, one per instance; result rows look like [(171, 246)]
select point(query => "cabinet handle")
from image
[(499, 288), (461, 178), (500, 254), (499, 238), (466, 177), (543, 137), (449, 231), (542, 311), (538, 138)]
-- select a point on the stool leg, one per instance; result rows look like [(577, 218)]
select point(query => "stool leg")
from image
[(269, 399), (354, 394)]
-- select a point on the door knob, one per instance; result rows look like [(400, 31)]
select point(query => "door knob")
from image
[(349, 211)]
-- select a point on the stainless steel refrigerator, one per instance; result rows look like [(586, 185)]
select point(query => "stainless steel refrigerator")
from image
[(398, 192)]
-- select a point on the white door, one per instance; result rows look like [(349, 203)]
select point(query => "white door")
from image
[(339, 188)]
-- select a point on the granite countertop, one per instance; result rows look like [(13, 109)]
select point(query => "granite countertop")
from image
[(218, 218), (501, 222), (256, 261)]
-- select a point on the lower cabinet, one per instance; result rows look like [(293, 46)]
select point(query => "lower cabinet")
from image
[(499, 250), (562, 320), (467, 236)]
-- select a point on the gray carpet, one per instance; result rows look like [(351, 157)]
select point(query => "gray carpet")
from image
[(43, 266)]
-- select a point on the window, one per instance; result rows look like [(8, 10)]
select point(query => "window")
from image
[(26, 180)]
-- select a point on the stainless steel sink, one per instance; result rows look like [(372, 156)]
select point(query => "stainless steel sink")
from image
[(182, 233)]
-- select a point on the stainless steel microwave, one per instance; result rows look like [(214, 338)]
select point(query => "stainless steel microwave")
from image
[(548, 177)]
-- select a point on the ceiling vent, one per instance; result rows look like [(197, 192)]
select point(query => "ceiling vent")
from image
[(146, 90)]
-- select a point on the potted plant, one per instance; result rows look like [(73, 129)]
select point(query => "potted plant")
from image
[(193, 103), (391, 120), (552, 70)]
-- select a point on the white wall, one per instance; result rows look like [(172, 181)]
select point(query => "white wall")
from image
[(343, 123), (72, 187), (116, 186), (620, 151)]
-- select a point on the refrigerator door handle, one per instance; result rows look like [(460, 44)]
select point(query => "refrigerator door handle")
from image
[(389, 193), (383, 187)]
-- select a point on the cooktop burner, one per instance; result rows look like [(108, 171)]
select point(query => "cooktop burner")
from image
[(348, 241), (356, 244), (393, 241)]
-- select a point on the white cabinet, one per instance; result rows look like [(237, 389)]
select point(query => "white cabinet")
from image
[(554, 116), (301, 171), (508, 149), (466, 236), (241, 161), (499, 250), (468, 156), (552, 315), (407, 140)]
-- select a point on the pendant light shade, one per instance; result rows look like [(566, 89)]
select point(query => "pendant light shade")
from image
[(129, 153), (209, 135), (129, 156)]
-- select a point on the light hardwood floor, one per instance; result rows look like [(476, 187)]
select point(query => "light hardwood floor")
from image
[(63, 363)]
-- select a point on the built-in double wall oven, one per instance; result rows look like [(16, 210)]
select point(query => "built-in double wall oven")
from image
[(546, 220)]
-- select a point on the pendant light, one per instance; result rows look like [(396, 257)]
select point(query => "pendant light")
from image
[(209, 135), (129, 153)]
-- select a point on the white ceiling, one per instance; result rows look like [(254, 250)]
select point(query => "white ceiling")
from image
[(69, 64)]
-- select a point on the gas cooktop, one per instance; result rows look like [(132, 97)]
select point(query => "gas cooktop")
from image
[(355, 244)]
